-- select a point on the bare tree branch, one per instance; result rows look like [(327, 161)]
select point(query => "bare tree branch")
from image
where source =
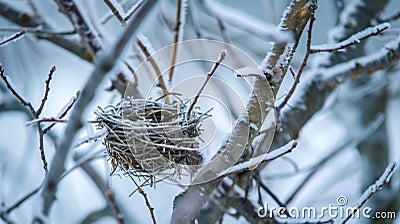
[(106, 63), (89, 38), (379, 184), (26, 20), (13, 37)]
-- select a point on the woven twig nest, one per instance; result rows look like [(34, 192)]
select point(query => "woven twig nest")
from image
[(148, 137)]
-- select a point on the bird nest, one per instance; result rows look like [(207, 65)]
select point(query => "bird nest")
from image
[(147, 137)]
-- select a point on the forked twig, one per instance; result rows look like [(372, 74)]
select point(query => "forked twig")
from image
[(303, 65)]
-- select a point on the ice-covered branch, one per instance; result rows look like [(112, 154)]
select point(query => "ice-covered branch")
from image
[(14, 37), (118, 11), (354, 39), (89, 38), (63, 112), (322, 82), (266, 158), (293, 20), (105, 64), (27, 20), (46, 90), (379, 184)]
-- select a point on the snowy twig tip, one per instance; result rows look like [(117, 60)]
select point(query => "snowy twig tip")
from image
[(222, 56)]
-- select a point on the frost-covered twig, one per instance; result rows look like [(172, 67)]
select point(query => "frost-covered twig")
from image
[(45, 119), (354, 39), (178, 25), (294, 19), (209, 75), (25, 19), (8, 210), (13, 37), (46, 90), (243, 21), (321, 82), (13, 90), (115, 9), (105, 64), (119, 13), (38, 31), (92, 137), (147, 50), (379, 184), (34, 114), (266, 158), (89, 38), (301, 69), (63, 112)]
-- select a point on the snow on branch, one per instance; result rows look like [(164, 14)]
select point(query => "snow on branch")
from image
[(277, 61), (389, 54), (354, 39), (266, 158), (246, 22), (379, 184), (118, 11), (14, 37), (91, 40)]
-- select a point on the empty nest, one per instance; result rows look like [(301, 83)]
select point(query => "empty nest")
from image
[(148, 137)]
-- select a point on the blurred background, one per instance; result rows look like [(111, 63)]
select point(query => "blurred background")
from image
[(331, 144)]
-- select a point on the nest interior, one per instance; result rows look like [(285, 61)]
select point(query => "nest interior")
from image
[(150, 137)]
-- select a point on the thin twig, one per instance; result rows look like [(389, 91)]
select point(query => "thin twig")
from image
[(151, 209), (368, 193), (44, 120), (13, 37), (222, 56), (115, 11), (34, 114), (269, 157), (105, 64), (14, 92), (46, 91), (303, 65), (155, 67), (37, 31), (353, 40), (89, 38), (64, 112), (176, 38)]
